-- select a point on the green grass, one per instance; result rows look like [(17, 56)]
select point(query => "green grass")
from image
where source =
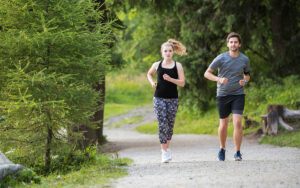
[(111, 109), (126, 92), (283, 139), (96, 175), (149, 128), (130, 120), (128, 89), (208, 123), (251, 130)]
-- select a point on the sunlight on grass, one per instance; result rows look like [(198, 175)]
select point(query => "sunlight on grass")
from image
[(149, 128), (125, 92), (207, 124), (128, 89), (130, 120), (112, 110)]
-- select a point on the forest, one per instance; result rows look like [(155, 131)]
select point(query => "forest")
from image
[(60, 59)]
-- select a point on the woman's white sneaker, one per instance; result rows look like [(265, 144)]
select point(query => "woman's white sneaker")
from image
[(169, 154), (164, 156)]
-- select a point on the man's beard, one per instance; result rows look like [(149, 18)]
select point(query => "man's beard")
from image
[(235, 49)]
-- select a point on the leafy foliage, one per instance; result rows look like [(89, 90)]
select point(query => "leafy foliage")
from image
[(268, 28), (53, 53), (283, 91), (79, 168), (69, 159), (23, 176), (140, 42)]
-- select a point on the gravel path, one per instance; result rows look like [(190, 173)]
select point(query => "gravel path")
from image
[(195, 162)]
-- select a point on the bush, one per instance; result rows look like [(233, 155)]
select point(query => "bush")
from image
[(68, 160), (285, 91), (24, 176)]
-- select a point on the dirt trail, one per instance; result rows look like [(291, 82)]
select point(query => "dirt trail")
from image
[(195, 162)]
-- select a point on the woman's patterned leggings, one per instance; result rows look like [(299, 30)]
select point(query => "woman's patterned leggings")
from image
[(165, 110)]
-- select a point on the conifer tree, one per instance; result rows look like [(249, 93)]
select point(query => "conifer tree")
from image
[(50, 62)]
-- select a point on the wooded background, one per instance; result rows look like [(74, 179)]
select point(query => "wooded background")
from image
[(54, 56)]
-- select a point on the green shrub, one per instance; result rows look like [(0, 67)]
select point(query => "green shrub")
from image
[(24, 176), (284, 91), (68, 160), (98, 173)]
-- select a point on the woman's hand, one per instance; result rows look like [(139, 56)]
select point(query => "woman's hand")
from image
[(166, 77), (154, 85)]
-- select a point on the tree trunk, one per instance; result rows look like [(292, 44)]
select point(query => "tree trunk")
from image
[(276, 27), (91, 135), (276, 115), (47, 156), (94, 136), (99, 115)]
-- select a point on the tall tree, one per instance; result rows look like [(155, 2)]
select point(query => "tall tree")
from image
[(50, 59), (94, 135)]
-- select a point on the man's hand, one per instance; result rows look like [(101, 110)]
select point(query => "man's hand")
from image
[(223, 80), (242, 82)]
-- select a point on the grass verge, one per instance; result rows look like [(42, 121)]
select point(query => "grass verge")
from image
[(129, 91), (284, 138), (149, 128), (130, 120), (106, 167), (112, 110), (208, 123), (126, 92)]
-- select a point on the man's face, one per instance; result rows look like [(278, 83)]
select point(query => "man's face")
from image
[(233, 44)]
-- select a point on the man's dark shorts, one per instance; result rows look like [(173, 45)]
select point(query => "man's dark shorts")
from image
[(230, 104)]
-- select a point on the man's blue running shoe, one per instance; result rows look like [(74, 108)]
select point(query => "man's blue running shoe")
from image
[(221, 154), (238, 156)]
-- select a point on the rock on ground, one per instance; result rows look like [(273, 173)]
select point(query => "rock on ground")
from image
[(7, 167)]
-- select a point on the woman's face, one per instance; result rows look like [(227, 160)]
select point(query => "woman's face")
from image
[(167, 52)]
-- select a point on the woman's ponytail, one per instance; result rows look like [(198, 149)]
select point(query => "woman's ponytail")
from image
[(178, 48)]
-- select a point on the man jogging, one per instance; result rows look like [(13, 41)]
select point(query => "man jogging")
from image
[(233, 74)]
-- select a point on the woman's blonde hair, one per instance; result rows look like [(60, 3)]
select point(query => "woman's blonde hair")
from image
[(178, 48)]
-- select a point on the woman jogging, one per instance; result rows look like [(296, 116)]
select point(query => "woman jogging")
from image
[(169, 75)]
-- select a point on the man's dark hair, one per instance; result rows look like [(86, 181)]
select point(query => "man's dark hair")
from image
[(233, 34)]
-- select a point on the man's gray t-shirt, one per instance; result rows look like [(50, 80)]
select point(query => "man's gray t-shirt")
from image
[(233, 69)]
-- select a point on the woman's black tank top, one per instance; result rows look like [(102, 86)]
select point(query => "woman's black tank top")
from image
[(164, 88)]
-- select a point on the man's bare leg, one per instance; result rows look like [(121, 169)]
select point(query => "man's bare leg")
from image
[(238, 131), (223, 131)]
